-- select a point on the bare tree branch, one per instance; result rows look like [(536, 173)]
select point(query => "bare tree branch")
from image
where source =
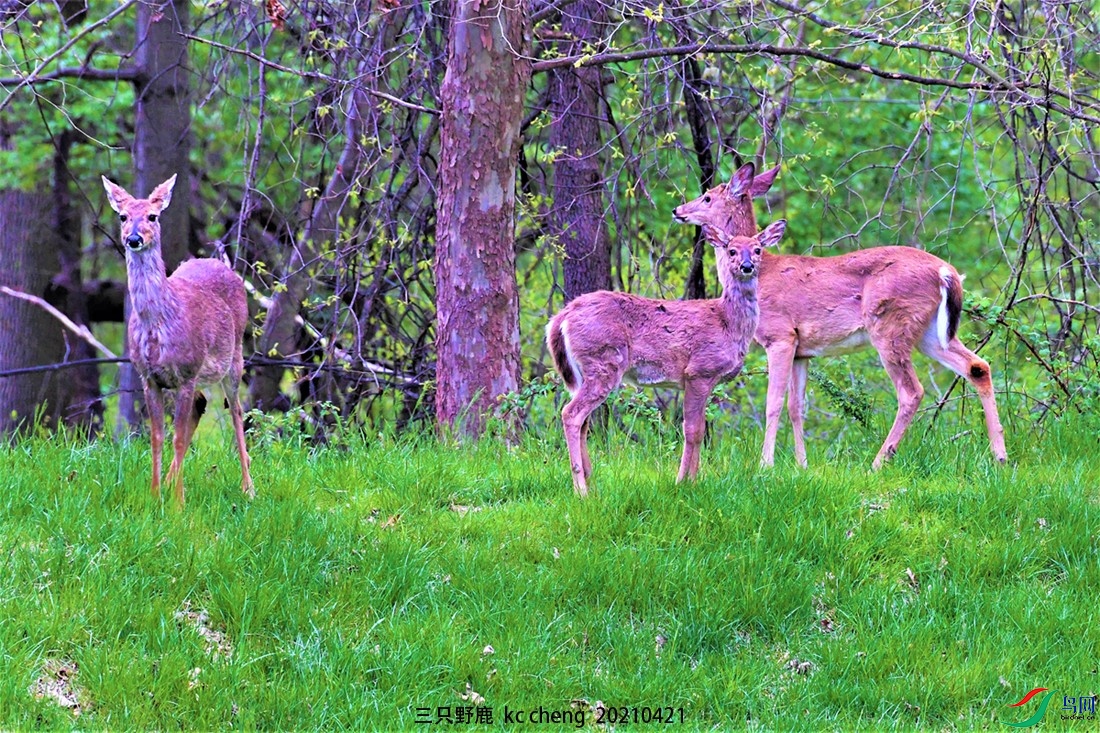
[(79, 330)]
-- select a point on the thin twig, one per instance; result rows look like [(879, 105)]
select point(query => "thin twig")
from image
[(31, 77), (992, 86), (311, 75)]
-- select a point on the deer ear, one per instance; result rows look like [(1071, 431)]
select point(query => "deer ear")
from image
[(741, 181), (116, 195), (764, 181), (772, 233), (162, 194)]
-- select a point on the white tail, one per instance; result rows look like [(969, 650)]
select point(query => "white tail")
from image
[(185, 331), (603, 338), (895, 299)]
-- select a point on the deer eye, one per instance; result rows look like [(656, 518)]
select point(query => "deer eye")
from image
[(706, 199), (757, 251), (122, 217), (152, 217)]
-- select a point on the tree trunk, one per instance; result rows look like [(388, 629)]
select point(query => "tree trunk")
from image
[(696, 286), (162, 145), (477, 304), (29, 336), (578, 214), (70, 297)]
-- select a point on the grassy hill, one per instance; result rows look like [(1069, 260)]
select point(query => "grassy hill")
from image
[(377, 583)]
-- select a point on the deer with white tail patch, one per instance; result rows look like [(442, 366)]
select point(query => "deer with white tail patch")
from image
[(601, 339), (894, 299), (185, 331)]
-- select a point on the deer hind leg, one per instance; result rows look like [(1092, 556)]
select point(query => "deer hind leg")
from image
[(186, 420), (154, 403), (975, 370), (696, 394), (586, 460), (595, 387), (796, 407), (910, 392), (231, 384), (780, 360)]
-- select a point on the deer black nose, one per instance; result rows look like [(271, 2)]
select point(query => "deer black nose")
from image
[(134, 241), (747, 268)]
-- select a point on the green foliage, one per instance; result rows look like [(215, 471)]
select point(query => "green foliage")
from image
[(852, 402), (369, 581)]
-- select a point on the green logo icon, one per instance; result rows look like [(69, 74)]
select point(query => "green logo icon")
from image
[(1038, 715)]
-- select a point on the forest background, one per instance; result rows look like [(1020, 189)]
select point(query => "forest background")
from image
[(341, 156)]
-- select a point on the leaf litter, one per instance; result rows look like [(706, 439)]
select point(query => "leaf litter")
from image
[(58, 683), (217, 642)]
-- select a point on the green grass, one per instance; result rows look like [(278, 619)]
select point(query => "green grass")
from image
[(355, 589)]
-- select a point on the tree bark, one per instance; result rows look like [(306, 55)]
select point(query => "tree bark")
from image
[(67, 293), (29, 336), (162, 145), (696, 286), (578, 215), (477, 304)]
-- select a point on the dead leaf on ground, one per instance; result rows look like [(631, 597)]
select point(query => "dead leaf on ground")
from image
[(488, 650), (217, 642), (911, 580), (462, 510), (58, 684), (800, 667), (660, 642), (472, 696), (391, 522)]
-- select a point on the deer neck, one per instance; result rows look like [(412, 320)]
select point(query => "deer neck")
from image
[(150, 297), (737, 293), (739, 298), (741, 222)]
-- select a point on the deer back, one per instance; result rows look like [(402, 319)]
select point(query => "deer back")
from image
[(831, 303)]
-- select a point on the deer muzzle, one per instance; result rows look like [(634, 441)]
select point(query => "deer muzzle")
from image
[(135, 242)]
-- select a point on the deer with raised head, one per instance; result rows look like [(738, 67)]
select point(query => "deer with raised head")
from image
[(185, 331), (601, 339), (894, 299)]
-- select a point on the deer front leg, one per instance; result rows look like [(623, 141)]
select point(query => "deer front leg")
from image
[(796, 407), (154, 403), (696, 394), (186, 420), (235, 411), (780, 358)]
